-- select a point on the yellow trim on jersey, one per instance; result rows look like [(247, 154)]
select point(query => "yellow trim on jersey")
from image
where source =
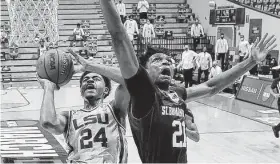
[(113, 113)]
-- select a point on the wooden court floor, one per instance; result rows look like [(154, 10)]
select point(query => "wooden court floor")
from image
[(225, 137)]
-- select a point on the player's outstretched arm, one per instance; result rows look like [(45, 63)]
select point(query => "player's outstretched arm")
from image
[(218, 83), (112, 73), (49, 119), (122, 46)]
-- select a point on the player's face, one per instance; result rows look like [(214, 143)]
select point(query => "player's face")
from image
[(160, 68), (93, 86)]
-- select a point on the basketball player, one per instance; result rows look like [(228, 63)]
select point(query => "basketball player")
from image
[(95, 133), (157, 115), (275, 91)]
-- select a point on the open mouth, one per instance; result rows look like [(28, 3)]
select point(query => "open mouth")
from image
[(166, 72), (90, 86)]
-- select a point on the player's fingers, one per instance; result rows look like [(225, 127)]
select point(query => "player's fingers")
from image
[(79, 58), (256, 42), (268, 40), (270, 43), (262, 40), (271, 48)]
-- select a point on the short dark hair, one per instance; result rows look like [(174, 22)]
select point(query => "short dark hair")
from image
[(222, 34), (106, 80), (78, 24), (143, 59)]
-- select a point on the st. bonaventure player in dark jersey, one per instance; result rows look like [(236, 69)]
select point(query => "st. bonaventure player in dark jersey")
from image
[(156, 115)]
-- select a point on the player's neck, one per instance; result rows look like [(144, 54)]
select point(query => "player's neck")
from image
[(163, 86), (91, 104)]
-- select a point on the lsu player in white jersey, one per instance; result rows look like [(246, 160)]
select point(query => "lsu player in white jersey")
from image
[(94, 134)]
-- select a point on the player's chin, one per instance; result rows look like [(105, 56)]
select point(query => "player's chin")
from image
[(164, 79)]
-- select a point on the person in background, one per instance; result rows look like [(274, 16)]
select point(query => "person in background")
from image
[(204, 61), (275, 91), (196, 33), (42, 47), (221, 50), (215, 70), (148, 31), (78, 33), (121, 9), (131, 27), (143, 7), (243, 49), (187, 65)]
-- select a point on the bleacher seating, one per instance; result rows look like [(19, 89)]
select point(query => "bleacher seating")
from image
[(98, 44)]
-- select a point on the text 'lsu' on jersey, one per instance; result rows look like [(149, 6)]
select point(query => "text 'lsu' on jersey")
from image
[(96, 136)]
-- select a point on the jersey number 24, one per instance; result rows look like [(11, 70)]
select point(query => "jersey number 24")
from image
[(99, 137)]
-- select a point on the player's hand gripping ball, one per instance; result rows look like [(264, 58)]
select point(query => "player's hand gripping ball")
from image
[(56, 66)]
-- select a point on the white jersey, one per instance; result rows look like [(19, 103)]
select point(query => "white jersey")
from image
[(95, 136)]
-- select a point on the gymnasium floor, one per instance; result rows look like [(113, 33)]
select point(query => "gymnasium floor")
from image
[(226, 137)]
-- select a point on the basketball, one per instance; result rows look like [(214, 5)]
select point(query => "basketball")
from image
[(55, 66)]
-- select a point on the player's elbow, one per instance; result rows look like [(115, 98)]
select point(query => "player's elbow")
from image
[(50, 127), (196, 137)]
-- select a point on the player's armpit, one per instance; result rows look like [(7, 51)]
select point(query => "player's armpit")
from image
[(142, 92), (121, 101), (198, 91)]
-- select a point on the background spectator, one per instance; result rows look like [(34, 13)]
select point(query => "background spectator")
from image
[(148, 31), (78, 33), (42, 47), (143, 7), (215, 70), (243, 48), (204, 61), (4, 38), (131, 27), (187, 65), (196, 33), (121, 9), (221, 50)]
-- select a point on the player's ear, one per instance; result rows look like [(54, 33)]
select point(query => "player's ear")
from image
[(106, 91)]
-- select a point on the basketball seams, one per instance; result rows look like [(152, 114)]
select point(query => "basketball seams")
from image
[(45, 68), (58, 65)]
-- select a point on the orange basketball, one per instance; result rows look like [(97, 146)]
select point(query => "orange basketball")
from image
[(55, 66)]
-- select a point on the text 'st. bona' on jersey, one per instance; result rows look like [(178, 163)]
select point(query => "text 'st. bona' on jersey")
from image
[(159, 133), (96, 136)]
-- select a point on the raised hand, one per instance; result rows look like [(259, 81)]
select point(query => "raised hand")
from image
[(261, 48), (45, 83), (82, 61)]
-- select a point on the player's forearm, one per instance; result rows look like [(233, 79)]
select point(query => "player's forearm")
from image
[(112, 73), (48, 116), (122, 46), (193, 135), (226, 78)]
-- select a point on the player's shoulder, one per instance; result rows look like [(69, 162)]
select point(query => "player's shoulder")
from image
[(181, 91)]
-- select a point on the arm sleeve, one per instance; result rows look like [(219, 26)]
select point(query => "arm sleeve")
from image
[(216, 47), (142, 92)]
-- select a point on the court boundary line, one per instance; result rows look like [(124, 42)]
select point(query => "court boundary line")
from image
[(236, 114)]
